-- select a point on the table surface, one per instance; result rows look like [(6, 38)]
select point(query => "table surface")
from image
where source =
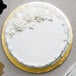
[(69, 8)]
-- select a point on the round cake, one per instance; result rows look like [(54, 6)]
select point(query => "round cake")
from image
[(37, 35)]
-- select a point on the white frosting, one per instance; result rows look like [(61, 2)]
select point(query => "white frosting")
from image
[(37, 34)]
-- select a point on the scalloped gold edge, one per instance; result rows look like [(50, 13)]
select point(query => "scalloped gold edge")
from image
[(26, 68)]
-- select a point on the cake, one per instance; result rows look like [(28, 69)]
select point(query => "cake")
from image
[(37, 35)]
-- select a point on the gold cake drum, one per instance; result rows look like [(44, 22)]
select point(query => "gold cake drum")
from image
[(37, 37)]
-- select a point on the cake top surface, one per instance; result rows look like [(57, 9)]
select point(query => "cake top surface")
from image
[(37, 34)]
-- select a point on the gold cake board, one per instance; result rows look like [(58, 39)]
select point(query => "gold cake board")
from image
[(26, 68)]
